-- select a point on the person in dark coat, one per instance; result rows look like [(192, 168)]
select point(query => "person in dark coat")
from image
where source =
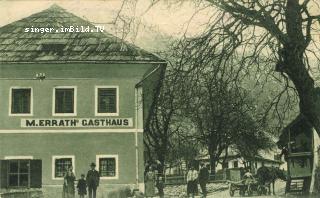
[(192, 182), (82, 186), (203, 179), (93, 179), (159, 179)]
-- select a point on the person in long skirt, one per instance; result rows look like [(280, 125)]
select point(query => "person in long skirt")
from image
[(150, 183), (192, 182), (68, 185)]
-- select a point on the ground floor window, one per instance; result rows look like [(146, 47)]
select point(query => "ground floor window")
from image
[(20, 173), (61, 164), (235, 164), (108, 166), (225, 165)]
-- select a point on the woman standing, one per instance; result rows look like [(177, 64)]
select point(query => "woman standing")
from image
[(192, 182), (68, 185), (150, 183)]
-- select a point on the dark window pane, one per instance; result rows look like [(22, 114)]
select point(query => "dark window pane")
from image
[(24, 166), (107, 100), (23, 180), (13, 167), (107, 167), (64, 101), (61, 166), (21, 101), (13, 180)]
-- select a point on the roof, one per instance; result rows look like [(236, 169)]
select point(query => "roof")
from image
[(16, 45), (255, 158), (299, 125)]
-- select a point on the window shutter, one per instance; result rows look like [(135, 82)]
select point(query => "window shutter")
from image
[(35, 173), (3, 173)]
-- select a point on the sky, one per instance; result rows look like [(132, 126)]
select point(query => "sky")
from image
[(167, 16)]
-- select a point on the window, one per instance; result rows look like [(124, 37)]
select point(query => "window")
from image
[(16, 173), (107, 100), (225, 165), (19, 173), (20, 101), (64, 101), (108, 166), (235, 164), (61, 164)]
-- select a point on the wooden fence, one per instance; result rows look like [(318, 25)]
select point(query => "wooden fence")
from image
[(182, 179)]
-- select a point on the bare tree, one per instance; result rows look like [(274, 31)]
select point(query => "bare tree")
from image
[(281, 33)]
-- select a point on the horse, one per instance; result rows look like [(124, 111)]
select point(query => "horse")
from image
[(268, 175)]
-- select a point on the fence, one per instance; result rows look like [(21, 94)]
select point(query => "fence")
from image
[(182, 179)]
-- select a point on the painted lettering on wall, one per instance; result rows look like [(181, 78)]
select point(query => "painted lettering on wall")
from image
[(78, 122)]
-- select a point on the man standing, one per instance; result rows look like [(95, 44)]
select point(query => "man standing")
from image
[(203, 179), (92, 179)]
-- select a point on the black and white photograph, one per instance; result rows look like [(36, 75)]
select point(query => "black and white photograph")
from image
[(159, 98)]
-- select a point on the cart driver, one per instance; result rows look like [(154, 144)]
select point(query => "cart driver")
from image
[(248, 179)]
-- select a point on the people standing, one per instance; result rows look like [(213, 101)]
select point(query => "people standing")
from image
[(92, 179), (203, 179), (68, 184), (160, 178), (160, 186), (150, 183), (192, 183), (82, 186)]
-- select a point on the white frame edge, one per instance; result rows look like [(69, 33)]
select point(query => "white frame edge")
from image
[(74, 101), (54, 157), (116, 156), (31, 101), (96, 100)]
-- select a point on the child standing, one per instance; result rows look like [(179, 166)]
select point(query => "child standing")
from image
[(82, 186)]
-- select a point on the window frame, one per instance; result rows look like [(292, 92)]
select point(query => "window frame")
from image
[(19, 173), (117, 166), (96, 100), (74, 101), (10, 102), (54, 157)]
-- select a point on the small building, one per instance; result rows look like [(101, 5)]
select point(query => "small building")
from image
[(237, 161), (300, 144), (69, 98)]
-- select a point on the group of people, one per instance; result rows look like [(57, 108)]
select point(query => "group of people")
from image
[(90, 182), (154, 179), (194, 177)]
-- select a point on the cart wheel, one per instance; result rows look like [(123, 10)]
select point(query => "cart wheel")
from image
[(259, 190), (231, 190), (249, 191), (242, 191)]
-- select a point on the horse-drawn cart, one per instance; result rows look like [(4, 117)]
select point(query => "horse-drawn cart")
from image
[(254, 186)]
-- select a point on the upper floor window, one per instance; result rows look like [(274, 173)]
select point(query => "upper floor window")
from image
[(64, 101), (21, 101), (107, 101)]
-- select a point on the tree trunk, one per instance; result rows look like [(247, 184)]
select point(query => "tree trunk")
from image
[(295, 68), (213, 163)]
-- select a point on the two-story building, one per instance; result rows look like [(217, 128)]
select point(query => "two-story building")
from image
[(68, 99)]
